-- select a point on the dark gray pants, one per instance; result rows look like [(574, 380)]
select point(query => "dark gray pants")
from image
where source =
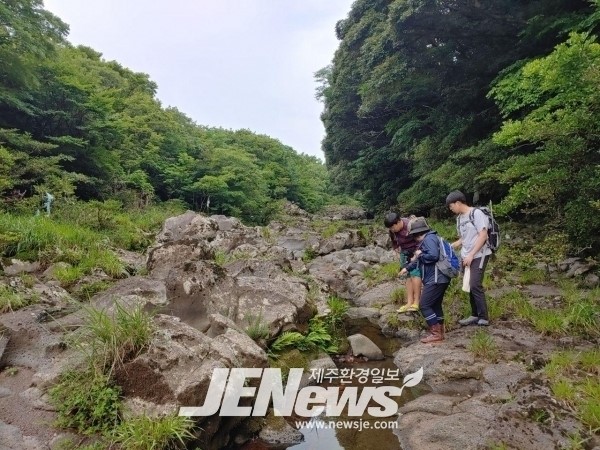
[(477, 294), (431, 303)]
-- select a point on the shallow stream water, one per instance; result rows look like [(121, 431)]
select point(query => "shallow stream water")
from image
[(364, 432), (343, 432)]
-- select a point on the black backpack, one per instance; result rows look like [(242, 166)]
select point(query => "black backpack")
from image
[(493, 229)]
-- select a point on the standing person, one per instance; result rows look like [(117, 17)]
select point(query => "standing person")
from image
[(435, 283), (406, 245), (472, 226)]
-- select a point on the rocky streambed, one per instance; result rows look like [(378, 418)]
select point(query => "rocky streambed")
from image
[(210, 277)]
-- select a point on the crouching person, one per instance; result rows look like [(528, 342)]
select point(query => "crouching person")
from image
[(435, 283)]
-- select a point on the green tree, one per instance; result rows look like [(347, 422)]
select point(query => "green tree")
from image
[(551, 164), (405, 99), (28, 34)]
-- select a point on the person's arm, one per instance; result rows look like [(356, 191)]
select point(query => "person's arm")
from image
[(412, 264), (428, 252), (430, 249), (409, 267), (457, 243)]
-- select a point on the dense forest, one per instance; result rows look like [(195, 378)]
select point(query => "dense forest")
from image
[(80, 127), (499, 99)]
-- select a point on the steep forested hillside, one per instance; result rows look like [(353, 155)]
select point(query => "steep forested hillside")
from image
[(76, 125), (499, 99)]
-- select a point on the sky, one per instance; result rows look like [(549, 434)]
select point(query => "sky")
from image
[(224, 63)]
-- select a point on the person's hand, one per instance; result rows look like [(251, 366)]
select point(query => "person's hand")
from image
[(467, 260), (403, 272)]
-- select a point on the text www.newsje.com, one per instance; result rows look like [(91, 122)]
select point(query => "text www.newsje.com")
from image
[(347, 424)]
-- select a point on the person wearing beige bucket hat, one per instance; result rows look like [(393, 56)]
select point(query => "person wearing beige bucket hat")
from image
[(435, 283)]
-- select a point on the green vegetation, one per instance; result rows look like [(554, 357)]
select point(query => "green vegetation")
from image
[(333, 228), (75, 125), (309, 255), (290, 358), (419, 101), (318, 337), (86, 401), (577, 315), (393, 320), (383, 272), (110, 338), (335, 317), (398, 295), (287, 339), (11, 371), (81, 240), (482, 345), (532, 276), (257, 328), (88, 290), (87, 398), (498, 446), (574, 381), (144, 433), (366, 233), (324, 332), (28, 280), (221, 258), (11, 300)]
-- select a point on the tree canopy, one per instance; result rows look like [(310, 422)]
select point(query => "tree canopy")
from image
[(76, 125), (497, 99)]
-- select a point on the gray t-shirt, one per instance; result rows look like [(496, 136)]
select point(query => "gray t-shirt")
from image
[(469, 230)]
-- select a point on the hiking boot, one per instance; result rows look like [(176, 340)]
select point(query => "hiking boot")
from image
[(483, 323), (471, 320), (403, 309), (436, 334)]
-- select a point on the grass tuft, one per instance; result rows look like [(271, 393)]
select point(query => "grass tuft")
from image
[(482, 345), (145, 433)]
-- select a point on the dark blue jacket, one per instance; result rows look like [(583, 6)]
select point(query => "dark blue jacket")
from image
[(430, 248)]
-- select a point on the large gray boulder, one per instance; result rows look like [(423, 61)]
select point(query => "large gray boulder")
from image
[(244, 289), (177, 368)]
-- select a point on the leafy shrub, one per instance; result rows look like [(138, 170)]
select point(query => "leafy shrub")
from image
[(86, 401), (337, 308), (309, 255), (287, 339)]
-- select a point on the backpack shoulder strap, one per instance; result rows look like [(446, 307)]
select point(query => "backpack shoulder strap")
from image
[(472, 215), (442, 247)]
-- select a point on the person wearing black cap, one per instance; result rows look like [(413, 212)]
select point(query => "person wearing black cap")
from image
[(406, 245), (472, 224), (435, 283)]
